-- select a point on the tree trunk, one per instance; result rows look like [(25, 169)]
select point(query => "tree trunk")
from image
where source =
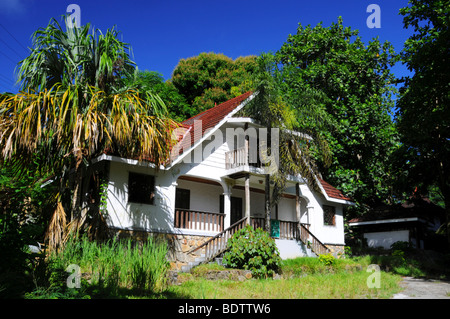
[(267, 206), (445, 190), (447, 215), (76, 209)]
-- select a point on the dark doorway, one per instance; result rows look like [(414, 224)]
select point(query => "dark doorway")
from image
[(236, 208)]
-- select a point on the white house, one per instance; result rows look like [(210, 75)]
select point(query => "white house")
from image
[(211, 184)]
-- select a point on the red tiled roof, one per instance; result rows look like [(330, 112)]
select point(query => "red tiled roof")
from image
[(213, 116), (210, 118), (332, 191)]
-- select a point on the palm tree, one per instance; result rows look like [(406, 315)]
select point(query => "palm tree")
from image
[(72, 107), (75, 57), (298, 144)]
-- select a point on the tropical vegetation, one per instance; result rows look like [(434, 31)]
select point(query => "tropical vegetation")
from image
[(353, 86), (74, 109), (211, 78), (423, 107), (81, 95)]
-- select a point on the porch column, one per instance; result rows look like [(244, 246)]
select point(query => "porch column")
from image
[(247, 197), (309, 217), (227, 207), (297, 202)]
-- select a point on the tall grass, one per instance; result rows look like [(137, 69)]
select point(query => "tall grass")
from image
[(302, 278), (117, 264)]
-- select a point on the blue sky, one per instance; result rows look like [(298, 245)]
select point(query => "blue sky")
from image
[(163, 32)]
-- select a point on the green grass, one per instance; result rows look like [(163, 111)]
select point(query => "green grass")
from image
[(302, 278), (122, 269), (113, 269), (331, 286)]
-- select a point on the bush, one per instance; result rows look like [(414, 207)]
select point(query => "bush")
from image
[(327, 259), (253, 250), (401, 245)]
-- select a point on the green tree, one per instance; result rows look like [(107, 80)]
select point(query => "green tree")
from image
[(151, 81), (424, 104), (25, 209), (210, 78), (351, 85), (75, 56), (78, 113), (296, 144)]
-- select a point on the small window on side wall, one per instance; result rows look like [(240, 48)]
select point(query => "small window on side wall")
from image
[(329, 215), (182, 198), (141, 188)]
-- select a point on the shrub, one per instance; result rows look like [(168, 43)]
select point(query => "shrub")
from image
[(401, 245), (253, 250), (327, 259)]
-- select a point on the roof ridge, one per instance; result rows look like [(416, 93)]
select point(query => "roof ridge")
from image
[(218, 106), (332, 191)]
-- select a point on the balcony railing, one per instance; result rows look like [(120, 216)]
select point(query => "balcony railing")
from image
[(198, 220), (236, 158), (240, 157)]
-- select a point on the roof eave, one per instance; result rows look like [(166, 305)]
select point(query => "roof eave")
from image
[(211, 131)]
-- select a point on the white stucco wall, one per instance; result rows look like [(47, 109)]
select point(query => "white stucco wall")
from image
[(386, 238), (206, 197), (125, 215)]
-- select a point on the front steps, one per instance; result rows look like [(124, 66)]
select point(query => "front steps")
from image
[(293, 248), (199, 260), (287, 248)]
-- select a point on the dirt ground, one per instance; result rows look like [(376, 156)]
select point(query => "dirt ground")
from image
[(423, 289)]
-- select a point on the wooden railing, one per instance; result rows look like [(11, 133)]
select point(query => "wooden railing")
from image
[(198, 220), (288, 229), (240, 157), (236, 158), (311, 241), (218, 244), (291, 230), (257, 222)]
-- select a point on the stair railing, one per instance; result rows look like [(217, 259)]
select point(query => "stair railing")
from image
[(218, 244), (315, 244)]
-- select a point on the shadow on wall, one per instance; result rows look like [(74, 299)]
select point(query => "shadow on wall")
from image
[(139, 221)]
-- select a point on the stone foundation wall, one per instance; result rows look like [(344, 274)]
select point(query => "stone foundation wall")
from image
[(179, 245), (336, 250)]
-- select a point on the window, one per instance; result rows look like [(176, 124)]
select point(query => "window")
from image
[(141, 188), (329, 215), (182, 206), (182, 198)]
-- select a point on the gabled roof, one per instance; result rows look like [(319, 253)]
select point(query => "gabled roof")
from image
[(213, 117), (215, 114), (332, 191), (208, 119)]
